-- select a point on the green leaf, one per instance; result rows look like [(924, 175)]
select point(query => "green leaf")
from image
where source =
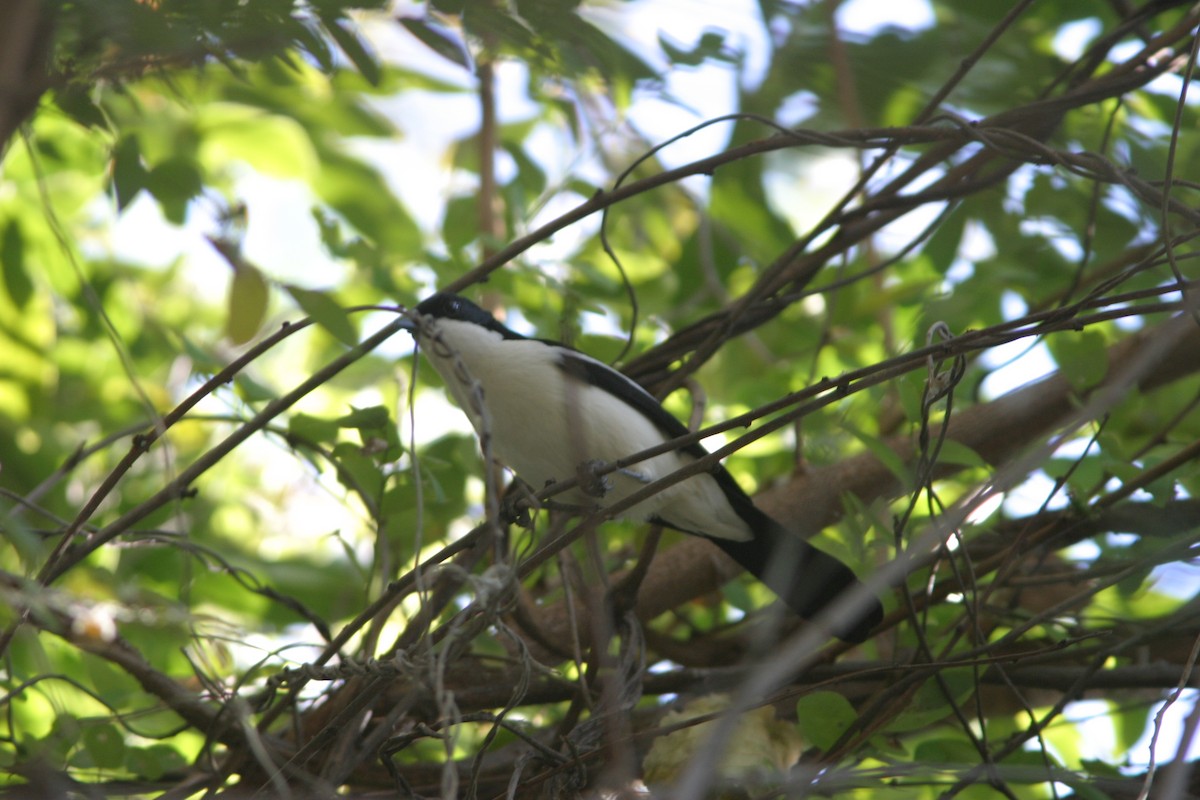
[(1085, 791), (76, 101), (1103, 768), (114, 685), (359, 194), (248, 296), (326, 312), (379, 434), (313, 42), (1081, 356), (12, 260), (151, 763), (361, 418), (313, 429), (823, 717), (460, 222), (440, 39), (530, 176), (953, 452), (1039, 758), (710, 46), (105, 744), (945, 751), (886, 455), (129, 175), (354, 48), (253, 391), (930, 704), (273, 144), (174, 183), (358, 472), (942, 247)]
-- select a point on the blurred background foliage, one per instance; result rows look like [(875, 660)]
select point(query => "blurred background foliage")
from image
[(182, 183)]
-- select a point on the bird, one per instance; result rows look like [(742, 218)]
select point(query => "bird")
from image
[(549, 412)]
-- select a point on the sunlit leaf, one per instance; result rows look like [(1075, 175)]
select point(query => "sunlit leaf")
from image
[(313, 429), (248, 296), (12, 260), (372, 417), (823, 717), (326, 312), (759, 743), (954, 452), (946, 751), (358, 472), (273, 144)]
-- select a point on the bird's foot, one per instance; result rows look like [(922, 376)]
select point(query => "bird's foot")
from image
[(591, 482), (516, 504)]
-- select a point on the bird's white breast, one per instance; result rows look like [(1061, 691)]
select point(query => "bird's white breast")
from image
[(543, 422)]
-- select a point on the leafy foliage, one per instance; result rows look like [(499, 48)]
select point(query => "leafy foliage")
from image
[(933, 290)]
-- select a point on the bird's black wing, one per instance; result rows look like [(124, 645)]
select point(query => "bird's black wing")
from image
[(590, 371), (804, 577), (593, 372)]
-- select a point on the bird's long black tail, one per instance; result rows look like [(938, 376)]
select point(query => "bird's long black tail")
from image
[(805, 578)]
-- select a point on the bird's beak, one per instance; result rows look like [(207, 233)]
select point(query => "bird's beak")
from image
[(410, 322)]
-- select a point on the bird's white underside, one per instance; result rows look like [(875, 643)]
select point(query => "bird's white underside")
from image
[(544, 423)]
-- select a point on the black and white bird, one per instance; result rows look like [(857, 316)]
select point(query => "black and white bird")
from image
[(549, 411)]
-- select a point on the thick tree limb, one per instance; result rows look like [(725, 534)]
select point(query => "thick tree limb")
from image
[(25, 33)]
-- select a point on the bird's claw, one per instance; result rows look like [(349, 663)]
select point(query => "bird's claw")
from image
[(591, 482), (516, 504)]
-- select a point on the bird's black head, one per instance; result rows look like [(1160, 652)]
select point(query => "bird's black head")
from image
[(450, 306)]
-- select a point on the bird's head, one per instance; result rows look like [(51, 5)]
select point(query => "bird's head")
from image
[(443, 307)]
